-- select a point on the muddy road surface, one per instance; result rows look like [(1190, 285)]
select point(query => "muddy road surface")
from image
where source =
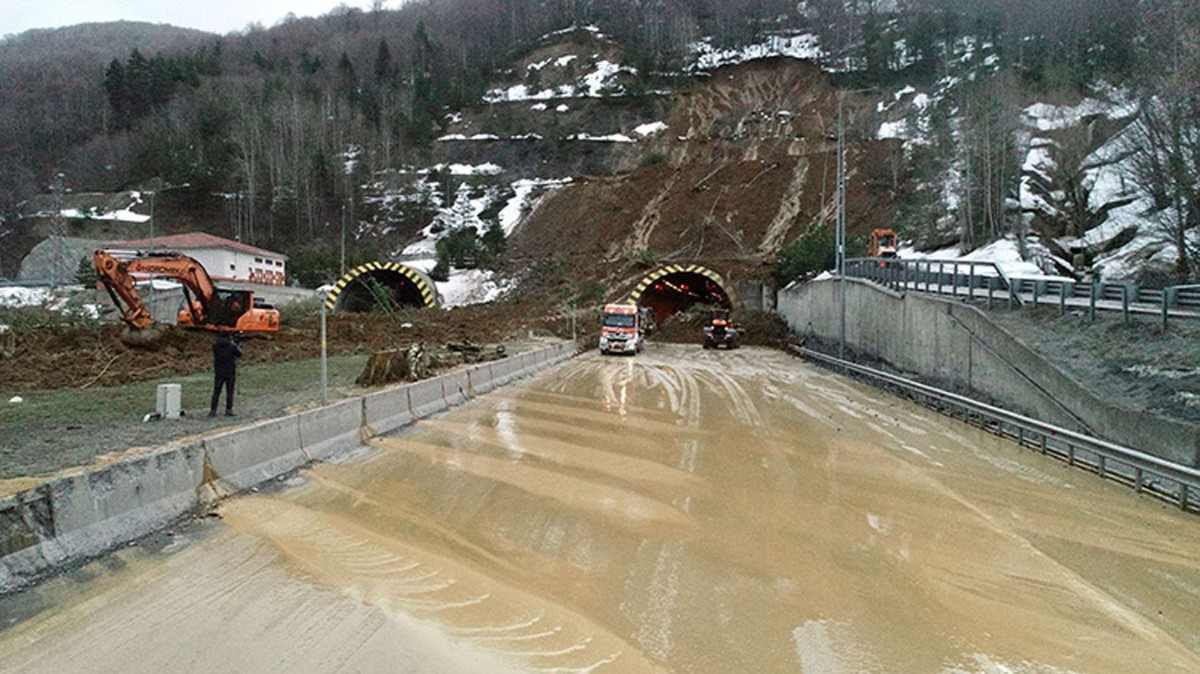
[(682, 511)]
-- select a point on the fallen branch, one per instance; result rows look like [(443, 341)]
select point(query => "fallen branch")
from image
[(97, 377)]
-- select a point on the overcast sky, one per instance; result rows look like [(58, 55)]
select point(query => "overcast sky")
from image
[(217, 16)]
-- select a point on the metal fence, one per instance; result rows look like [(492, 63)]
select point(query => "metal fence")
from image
[(985, 280), (1146, 474)]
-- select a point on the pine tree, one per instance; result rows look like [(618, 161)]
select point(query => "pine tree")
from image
[(118, 95)]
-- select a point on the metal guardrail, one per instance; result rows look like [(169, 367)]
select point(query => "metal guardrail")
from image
[(935, 276), (945, 277), (1146, 474)]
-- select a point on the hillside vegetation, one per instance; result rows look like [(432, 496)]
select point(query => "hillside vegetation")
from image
[(366, 118)]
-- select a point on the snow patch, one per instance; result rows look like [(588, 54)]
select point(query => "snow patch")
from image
[(651, 129), (610, 138), (804, 47)]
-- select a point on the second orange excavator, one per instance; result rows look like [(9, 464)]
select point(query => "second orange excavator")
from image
[(206, 307)]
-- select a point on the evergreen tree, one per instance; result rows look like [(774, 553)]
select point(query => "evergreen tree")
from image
[(116, 88)]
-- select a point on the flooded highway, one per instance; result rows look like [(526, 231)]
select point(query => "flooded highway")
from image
[(682, 511)]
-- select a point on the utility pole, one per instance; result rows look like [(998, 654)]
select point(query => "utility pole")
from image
[(60, 228), (840, 237), (841, 215), (342, 271)]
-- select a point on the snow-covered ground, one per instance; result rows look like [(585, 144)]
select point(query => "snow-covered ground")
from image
[(465, 211), (1004, 253), (465, 286), (707, 57), (67, 300), (601, 81)]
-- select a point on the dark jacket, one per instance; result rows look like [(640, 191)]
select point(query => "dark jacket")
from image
[(225, 355)]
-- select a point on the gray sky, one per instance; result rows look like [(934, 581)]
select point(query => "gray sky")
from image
[(218, 16)]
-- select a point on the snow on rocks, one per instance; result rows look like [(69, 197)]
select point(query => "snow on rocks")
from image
[(804, 47), (487, 169), (610, 138), (652, 129), (602, 81), (16, 400)]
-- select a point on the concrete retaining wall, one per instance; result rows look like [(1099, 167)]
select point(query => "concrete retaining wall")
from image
[(957, 346), (84, 514)]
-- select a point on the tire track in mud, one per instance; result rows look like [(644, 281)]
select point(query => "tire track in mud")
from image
[(409, 584)]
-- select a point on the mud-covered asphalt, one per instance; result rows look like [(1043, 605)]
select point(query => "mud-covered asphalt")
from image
[(684, 511)]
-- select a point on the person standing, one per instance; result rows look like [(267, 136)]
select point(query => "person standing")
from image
[(225, 356)]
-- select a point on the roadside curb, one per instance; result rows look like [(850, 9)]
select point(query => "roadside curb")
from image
[(69, 519)]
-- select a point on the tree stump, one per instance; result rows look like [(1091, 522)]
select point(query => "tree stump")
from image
[(389, 367)]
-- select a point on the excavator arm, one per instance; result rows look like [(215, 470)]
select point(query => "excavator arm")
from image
[(207, 307)]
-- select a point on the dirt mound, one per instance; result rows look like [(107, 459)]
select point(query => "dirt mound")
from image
[(79, 356), (756, 328)]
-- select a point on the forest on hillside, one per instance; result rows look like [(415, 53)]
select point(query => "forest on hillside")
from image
[(288, 120)]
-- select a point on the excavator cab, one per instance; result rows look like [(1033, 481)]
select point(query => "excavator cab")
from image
[(229, 306)]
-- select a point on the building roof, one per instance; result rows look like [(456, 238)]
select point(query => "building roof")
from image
[(192, 241)]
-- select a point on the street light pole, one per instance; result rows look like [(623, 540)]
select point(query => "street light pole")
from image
[(841, 226), (841, 216)]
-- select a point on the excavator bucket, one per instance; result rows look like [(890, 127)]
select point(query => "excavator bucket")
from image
[(144, 338)]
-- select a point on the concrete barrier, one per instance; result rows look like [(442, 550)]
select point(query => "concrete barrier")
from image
[(325, 430), (388, 410), (958, 346), (427, 398), (82, 515), (85, 514), (456, 388), (480, 377), (251, 455)]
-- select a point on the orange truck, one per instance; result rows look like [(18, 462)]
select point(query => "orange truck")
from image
[(883, 243), (621, 329)]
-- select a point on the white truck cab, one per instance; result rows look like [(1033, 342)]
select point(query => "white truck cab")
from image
[(621, 329)]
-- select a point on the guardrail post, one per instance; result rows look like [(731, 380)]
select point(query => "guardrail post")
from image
[(1101, 467), (1036, 288), (1092, 302), (1012, 296), (1137, 479), (1070, 454), (991, 291), (1170, 295), (1183, 496), (1125, 303), (1165, 312), (971, 283), (1062, 299), (1043, 443)]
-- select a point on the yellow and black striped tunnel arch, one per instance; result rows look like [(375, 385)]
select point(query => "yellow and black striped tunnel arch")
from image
[(405, 285), (675, 269)]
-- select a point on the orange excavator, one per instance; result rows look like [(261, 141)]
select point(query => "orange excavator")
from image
[(206, 307)]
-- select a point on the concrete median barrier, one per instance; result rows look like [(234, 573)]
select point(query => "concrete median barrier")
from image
[(326, 430), (386, 411), (427, 398), (456, 388), (82, 515), (252, 455), (480, 378)]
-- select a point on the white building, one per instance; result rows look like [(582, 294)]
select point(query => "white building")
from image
[(224, 259)]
